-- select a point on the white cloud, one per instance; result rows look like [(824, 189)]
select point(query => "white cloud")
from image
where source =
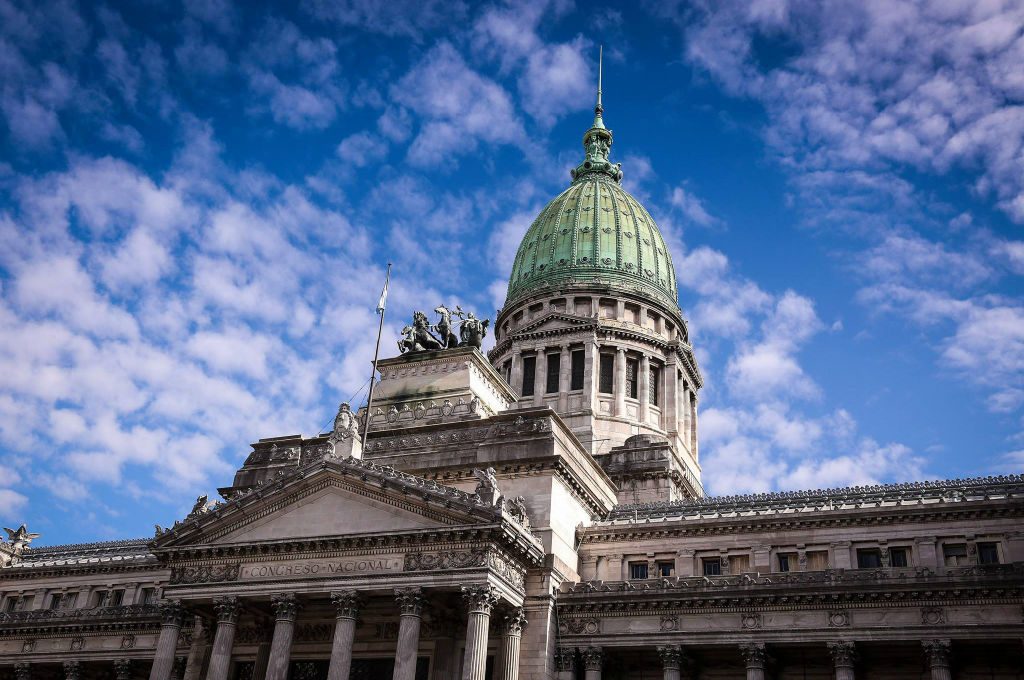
[(362, 148)]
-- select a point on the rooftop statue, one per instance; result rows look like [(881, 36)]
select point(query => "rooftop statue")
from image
[(20, 538), (423, 336)]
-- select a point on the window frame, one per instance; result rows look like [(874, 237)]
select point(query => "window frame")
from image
[(636, 567), (577, 369), (989, 545), (632, 384), (706, 562), (875, 553), (529, 377), (899, 550), (606, 372), (552, 372)]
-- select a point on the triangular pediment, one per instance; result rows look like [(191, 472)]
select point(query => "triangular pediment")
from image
[(335, 498)]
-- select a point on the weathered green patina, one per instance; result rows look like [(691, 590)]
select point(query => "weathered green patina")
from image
[(595, 232)]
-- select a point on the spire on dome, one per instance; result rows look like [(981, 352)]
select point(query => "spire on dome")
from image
[(597, 142)]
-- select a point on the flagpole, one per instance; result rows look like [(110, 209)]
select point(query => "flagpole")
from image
[(376, 353)]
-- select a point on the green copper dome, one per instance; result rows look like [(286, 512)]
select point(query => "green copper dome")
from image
[(594, 232)]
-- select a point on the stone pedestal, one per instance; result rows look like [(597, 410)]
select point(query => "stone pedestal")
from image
[(507, 666), (755, 657), (479, 602), (346, 607), (410, 604), (843, 656), (937, 652), (227, 609), (171, 617), (286, 609)]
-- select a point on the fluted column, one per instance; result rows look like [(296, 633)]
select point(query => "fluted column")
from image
[(286, 610), (565, 663), (479, 602), (540, 379), (123, 669), (197, 651), (564, 379), (937, 653), (171, 616), (346, 608), (754, 655), (227, 609), (410, 604), (694, 442), (507, 666), (620, 382), (643, 389), (23, 671), (843, 655), (593, 660), (259, 666), (516, 378), (72, 670), (673, 661)]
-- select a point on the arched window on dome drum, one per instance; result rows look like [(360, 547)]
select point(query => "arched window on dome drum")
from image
[(632, 378)]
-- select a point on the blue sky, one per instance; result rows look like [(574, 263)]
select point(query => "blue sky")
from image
[(197, 201)]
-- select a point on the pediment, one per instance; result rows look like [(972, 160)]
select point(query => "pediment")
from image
[(332, 499)]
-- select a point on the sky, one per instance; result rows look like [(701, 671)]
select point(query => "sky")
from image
[(198, 200)]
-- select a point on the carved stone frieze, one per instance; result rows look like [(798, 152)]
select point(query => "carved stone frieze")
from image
[(579, 626), (216, 573), (933, 616), (751, 620), (838, 618), (495, 560), (128, 641)]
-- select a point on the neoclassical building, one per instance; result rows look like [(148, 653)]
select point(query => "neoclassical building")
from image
[(530, 514)]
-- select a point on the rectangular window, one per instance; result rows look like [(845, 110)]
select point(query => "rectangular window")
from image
[(632, 370), (637, 570), (653, 384), (529, 375), (712, 566), (55, 601), (988, 553), (507, 371), (955, 554), (554, 367), (817, 560), (869, 559), (148, 595), (11, 604), (579, 364), (98, 598), (787, 562), (607, 378), (898, 557), (116, 598), (666, 568)]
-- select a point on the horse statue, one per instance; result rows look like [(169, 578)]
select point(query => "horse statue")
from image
[(444, 327), (473, 330), (421, 332)]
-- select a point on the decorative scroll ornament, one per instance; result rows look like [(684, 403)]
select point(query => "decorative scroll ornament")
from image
[(423, 336), (216, 573)]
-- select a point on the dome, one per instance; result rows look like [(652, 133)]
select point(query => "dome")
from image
[(594, 232)]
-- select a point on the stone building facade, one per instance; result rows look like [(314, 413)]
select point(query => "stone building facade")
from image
[(534, 513)]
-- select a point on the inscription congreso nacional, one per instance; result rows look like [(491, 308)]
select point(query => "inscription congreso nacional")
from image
[(533, 513)]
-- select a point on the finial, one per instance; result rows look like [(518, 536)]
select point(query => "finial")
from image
[(597, 141), (599, 108)]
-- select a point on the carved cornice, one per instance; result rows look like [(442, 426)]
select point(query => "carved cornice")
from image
[(479, 599)]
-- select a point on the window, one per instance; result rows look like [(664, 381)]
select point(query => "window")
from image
[(98, 598), (870, 558), (579, 362), (954, 554), (712, 566), (787, 561), (988, 553), (529, 375), (666, 568), (739, 564), (652, 385), (55, 600), (148, 595), (116, 598), (607, 378), (507, 371), (817, 560), (11, 604), (637, 570), (898, 557), (632, 370), (554, 367)]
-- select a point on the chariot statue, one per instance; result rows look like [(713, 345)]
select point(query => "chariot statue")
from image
[(423, 336)]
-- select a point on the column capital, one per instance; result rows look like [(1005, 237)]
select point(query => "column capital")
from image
[(228, 608), (754, 654), (513, 622), (410, 601), (565, 659), (673, 658), (286, 606), (122, 669), (22, 670), (480, 598), (843, 653), (593, 658), (172, 612), (346, 604), (937, 652), (72, 670)]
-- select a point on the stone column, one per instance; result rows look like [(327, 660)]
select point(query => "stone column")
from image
[(673, 658), (410, 603), (620, 382), (516, 379), (540, 380), (123, 669), (23, 671), (72, 670), (197, 652), (670, 396), (479, 602), (286, 609), (346, 608), (754, 655), (507, 666), (259, 667), (565, 663), (843, 653), (593, 658), (643, 389), (937, 653), (171, 617), (227, 609), (591, 371), (564, 377), (694, 441)]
